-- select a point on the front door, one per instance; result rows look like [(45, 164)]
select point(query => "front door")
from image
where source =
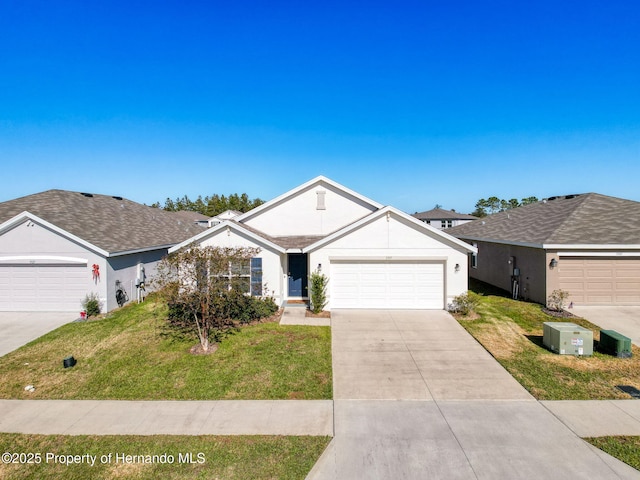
[(297, 275)]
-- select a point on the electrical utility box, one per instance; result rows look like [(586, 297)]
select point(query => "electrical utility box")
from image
[(567, 338), (615, 343)]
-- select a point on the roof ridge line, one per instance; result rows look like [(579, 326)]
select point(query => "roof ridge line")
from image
[(580, 202)]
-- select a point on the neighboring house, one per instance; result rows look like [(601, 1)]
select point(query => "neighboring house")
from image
[(374, 256), (226, 215), (196, 218), (441, 219), (58, 246), (588, 245)]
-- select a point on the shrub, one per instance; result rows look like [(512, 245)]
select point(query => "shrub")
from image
[(557, 300), (91, 304), (465, 303), (245, 309), (318, 291)]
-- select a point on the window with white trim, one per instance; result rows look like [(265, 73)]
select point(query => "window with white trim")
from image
[(246, 275)]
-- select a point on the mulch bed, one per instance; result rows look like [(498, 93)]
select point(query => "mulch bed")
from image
[(559, 314)]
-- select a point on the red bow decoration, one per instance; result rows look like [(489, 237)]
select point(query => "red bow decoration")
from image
[(96, 272)]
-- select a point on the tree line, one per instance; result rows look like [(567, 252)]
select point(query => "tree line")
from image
[(488, 206), (211, 206)]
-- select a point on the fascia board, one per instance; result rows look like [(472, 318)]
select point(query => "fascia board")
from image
[(598, 253), (44, 258), (140, 250), (21, 217), (501, 242), (379, 213), (440, 233), (556, 246), (256, 211), (222, 226)]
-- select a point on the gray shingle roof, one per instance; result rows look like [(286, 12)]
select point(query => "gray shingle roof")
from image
[(587, 219), (111, 223), (441, 214), (292, 241)]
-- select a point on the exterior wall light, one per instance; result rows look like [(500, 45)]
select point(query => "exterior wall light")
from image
[(319, 267), (457, 267), (553, 263)]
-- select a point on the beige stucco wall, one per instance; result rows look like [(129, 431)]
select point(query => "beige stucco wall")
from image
[(494, 268)]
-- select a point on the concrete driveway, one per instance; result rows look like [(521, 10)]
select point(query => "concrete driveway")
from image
[(417, 397), (413, 355), (18, 328), (625, 320)]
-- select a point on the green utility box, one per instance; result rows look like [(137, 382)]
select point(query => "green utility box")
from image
[(615, 343), (567, 338)]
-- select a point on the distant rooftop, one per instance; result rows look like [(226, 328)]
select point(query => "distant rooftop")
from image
[(441, 214)]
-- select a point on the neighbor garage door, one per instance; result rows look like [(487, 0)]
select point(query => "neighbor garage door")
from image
[(601, 281), (387, 284), (55, 288)]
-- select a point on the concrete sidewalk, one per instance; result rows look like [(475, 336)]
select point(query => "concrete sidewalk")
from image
[(119, 417), (598, 418)]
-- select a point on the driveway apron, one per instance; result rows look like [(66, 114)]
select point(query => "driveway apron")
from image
[(19, 328), (416, 397), (623, 319)]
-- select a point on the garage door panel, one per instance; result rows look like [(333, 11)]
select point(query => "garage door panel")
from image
[(42, 287), (387, 284), (601, 281)]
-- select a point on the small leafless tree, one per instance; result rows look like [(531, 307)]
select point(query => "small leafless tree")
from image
[(197, 281)]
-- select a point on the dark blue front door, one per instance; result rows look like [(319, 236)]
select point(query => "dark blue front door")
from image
[(297, 275)]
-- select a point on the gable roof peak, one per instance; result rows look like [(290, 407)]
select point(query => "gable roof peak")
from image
[(301, 188)]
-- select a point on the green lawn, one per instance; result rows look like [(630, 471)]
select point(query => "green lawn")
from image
[(213, 457), (626, 449), (512, 332), (130, 356)]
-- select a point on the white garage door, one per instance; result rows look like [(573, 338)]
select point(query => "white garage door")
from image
[(53, 288), (601, 281), (387, 284)]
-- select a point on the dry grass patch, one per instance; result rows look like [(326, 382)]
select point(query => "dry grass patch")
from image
[(512, 332)]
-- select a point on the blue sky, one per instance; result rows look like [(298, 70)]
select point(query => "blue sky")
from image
[(409, 103)]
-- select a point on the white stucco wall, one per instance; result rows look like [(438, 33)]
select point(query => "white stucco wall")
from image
[(299, 215), (272, 260), (394, 238)]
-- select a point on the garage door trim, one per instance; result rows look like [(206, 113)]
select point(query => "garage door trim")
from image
[(398, 283)]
